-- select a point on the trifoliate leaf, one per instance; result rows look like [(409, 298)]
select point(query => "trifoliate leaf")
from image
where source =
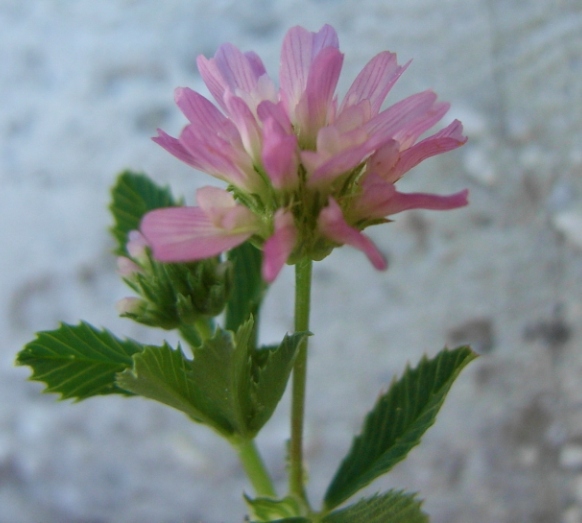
[(391, 507), (132, 196), (224, 386), (397, 422), (248, 287), (78, 361), (164, 374)]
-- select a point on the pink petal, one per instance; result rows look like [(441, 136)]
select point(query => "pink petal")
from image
[(342, 162), (409, 133), (311, 112), (279, 246), (397, 116), (403, 202), (445, 140), (280, 158), (276, 111), (300, 47), (246, 124), (214, 155), (179, 234), (332, 225), (175, 148), (229, 69), (374, 82), (384, 160)]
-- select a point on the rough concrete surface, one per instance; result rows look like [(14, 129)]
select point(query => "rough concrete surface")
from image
[(83, 86)]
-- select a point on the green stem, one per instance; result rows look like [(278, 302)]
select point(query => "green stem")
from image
[(302, 303), (254, 467)]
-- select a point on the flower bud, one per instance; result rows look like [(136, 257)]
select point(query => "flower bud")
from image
[(172, 294)]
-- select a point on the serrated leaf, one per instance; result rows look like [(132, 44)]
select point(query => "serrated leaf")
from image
[(132, 196), (78, 361), (391, 507), (164, 374), (397, 422), (223, 386), (248, 287), (271, 369), (269, 510)]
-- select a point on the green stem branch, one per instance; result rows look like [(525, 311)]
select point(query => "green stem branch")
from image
[(254, 467), (302, 305)]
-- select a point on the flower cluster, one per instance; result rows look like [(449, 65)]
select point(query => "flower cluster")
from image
[(305, 173)]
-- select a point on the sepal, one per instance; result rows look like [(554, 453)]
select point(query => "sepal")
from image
[(175, 294)]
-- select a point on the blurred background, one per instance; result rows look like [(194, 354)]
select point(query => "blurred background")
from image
[(83, 86)]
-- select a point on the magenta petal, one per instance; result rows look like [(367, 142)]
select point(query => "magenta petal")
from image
[(178, 234), (332, 225), (279, 246)]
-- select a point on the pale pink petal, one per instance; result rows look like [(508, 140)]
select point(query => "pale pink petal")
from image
[(279, 246), (175, 148), (137, 245), (393, 119), (276, 111), (311, 112), (384, 160), (342, 162), (129, 305), (445, 140), (300, 47), (179, 234), (218, 157), (214, 201), (229, 69), (246, 124), (332, 225), (280, 156), (409, 132), (374, 82), (127, 267)]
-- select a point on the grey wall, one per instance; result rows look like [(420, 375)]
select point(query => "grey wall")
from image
[(84, 84)]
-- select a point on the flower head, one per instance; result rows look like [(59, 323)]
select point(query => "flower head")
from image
[(305, 173)]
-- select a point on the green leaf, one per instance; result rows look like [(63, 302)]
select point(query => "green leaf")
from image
[(397, 422), (78, 361), (269, 510), (132, 196), (224, 386), (248, 287), (164, 374), (270, 373), (391, 507)]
